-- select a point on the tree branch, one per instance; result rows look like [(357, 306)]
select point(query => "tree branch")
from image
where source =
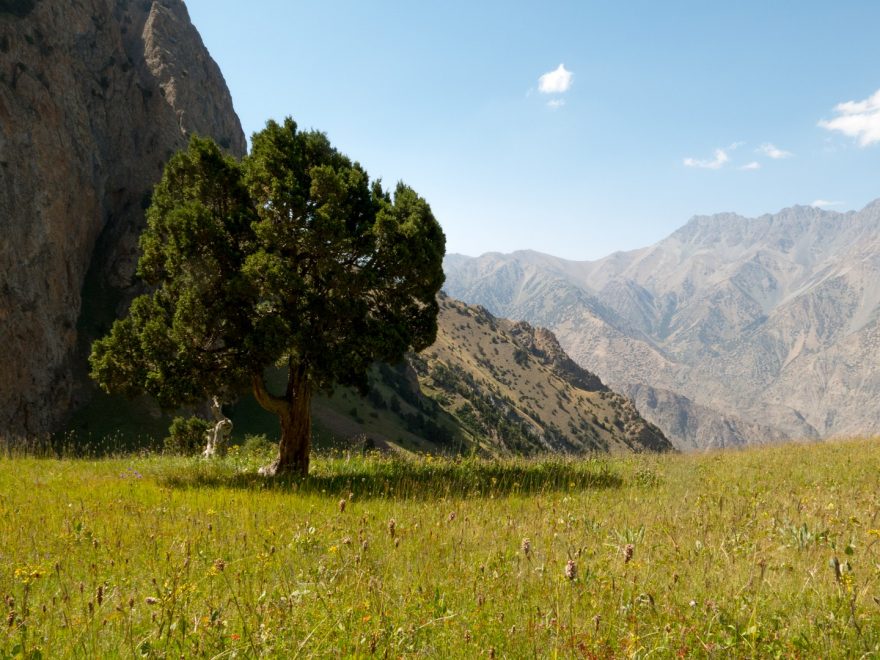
[(269, 402)]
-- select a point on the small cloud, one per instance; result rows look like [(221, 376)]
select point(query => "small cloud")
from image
[(555, 104), (824, 204), (716, 163), (735, 145), (772, 151), (754, 165), (857, 119), (557, 81)]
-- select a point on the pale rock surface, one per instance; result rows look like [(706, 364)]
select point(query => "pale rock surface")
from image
[(95, 95), (752, 329)]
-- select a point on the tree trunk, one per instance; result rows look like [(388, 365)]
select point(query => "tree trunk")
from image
[(296, 434), (295, 413)]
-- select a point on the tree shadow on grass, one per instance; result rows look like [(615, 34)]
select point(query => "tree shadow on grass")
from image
[(410, 479)]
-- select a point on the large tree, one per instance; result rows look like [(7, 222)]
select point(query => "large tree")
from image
[(290, 258)]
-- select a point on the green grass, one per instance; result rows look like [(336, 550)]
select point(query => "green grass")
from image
[(730, 555)]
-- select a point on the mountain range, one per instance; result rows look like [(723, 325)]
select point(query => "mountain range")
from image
[(731, 330)]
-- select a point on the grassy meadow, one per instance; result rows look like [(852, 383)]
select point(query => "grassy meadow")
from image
[(769, 552)]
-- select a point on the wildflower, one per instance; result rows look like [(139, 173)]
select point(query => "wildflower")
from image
[(451, 516), (571, 571), (526, 547), (628, 553), (28, 574), (346, 540), (151, 600), (392, 526), (100, 595), (342, 506)]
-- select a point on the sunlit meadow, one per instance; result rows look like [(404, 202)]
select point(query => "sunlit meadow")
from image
[(764, 552)]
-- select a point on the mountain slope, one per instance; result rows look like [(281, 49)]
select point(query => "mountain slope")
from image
[(772, 320), (514, 389)]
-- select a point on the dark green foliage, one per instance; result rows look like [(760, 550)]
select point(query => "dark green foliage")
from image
[(346, 274), (257, 445), (193, 336), (290, 257), (187, 436)]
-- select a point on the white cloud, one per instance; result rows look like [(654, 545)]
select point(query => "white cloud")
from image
[(824, 203), (773, 152), (716, 163), (555, 104), (557, 81), (857, 119), (754, 165)]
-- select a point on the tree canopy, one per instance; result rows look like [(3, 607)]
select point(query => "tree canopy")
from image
[(291, 257)]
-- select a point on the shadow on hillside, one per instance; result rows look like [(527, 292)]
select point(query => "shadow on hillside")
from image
[(397, 479)]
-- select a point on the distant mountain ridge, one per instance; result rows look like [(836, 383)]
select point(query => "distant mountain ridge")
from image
[(771, 322)]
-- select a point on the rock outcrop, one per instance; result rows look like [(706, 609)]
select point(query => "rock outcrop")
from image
[(95, 95)]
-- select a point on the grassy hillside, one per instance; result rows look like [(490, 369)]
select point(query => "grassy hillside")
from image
[(487, 385), (760, 553)]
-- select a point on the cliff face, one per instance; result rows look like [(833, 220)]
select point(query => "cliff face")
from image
[(95, 95)]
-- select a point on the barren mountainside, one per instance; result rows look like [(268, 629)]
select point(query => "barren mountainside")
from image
[(513, 388), (770, 323), (95, 96)]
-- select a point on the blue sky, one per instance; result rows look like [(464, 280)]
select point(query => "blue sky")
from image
[(671, 109)]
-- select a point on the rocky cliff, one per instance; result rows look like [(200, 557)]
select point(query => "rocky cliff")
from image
[(95, 95)]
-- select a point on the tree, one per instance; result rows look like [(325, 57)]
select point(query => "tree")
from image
[(289, 258)]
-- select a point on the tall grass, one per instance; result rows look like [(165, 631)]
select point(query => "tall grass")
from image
[(765, 552)]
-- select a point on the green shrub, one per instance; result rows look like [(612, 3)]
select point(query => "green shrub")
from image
[(187, 436), (258, 445)]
